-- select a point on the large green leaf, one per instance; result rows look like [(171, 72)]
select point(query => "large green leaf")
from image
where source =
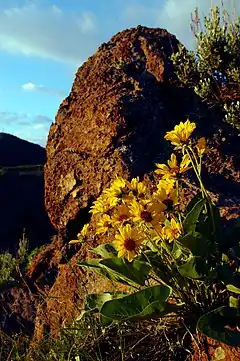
[(233, 289), (194, 201), (94, 302), (221, 324), (144, 304), (210, 223), (234, 302), (90, 263), (135, 271), (191, 219), (195, 268), (105, 250), (104, 271), (196, 243), (158, 266), (177, 250)]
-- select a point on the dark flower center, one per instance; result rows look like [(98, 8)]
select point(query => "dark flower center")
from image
[(168, 203), (175, 170), (122, 217), (146, 216), (130, 244)]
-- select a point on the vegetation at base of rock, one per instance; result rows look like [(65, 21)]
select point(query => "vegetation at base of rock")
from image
[(213, 68), (12, 267), (182, 262), (85, 341)]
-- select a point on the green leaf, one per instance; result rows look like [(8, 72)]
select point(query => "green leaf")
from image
[(210, 223), (176, 251), (194, 201), (191, 219), (233, 289), (105, 250), (158, 266), (234, 302), (195, 268), (104, 271), (135, 271), (220, 325), (145, 304), (91, 263), (196, 243), (95, 301)]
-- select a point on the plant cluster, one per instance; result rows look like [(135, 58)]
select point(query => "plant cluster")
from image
[(213, 68), (11, 265), (181, 262)]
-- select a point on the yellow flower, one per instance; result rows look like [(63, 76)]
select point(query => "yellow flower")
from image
[(104, 224), (138, 188), (81, 235), (201, 146), (167, 184), (148, 212), (103, 205), (181, 133), (84, 230), (116, 189), (128, 241), (172, 170), (172, 230), (168, 197), (121, 214)]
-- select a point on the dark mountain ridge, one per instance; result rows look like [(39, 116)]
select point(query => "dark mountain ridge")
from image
[(15, 151), (22, 193)]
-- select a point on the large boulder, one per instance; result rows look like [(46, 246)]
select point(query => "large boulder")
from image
[(123, 100), (111, 123)]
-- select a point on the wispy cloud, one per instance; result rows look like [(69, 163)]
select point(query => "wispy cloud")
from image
[(176, 17), (31, 87), (48, 32), (30, 127)]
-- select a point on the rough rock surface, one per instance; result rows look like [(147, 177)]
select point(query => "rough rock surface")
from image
[(111, 123), (123, 100)]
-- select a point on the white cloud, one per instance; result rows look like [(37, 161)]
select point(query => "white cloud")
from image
[(30, 87), (30, 127), (175, 16), (48, 32)]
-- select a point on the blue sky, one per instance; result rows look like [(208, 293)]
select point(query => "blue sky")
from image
[(43, 42)]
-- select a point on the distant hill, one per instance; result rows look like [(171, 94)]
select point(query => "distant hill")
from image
[(15, 151), (22, 193)]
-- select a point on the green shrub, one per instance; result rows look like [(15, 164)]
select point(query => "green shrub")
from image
[(213, 68), (7, 266)]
